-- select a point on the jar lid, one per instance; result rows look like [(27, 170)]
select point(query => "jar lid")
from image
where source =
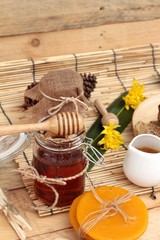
[(13, 145)]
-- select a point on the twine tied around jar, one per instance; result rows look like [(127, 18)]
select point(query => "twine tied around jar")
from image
[(107, 209), (17, 222), (63, 101), (32, 173)]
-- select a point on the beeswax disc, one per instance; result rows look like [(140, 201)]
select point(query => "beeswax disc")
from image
[(73, 216), (72, 213), (113, 227)]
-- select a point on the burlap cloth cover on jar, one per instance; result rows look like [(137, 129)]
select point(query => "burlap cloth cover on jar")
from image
[(57, 91)]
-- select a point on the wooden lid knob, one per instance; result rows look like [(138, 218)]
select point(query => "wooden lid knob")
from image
[(110, 117), (106, 117)]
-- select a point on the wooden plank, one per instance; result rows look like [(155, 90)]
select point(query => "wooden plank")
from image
[(14, 76), (59, 225), (23, 16), (82, 40), (79, 40), (8, 179), (40, 226)]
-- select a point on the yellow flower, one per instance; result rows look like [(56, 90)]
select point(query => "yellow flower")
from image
[(112, 138), (135, 95)]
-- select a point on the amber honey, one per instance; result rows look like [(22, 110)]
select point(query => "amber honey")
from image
[(59, 160)]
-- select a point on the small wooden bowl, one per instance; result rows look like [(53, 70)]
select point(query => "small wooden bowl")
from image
[(147, 111)]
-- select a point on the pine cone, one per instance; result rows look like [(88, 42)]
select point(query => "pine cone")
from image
[(89, 84), (28, 102)]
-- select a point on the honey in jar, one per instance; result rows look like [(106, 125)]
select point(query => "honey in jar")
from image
[(59, 158)]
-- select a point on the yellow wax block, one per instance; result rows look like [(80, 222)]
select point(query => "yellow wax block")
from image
[(72, 213), (73, 216), (112, 227)]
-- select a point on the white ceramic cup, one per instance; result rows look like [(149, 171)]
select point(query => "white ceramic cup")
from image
[(140, 167)]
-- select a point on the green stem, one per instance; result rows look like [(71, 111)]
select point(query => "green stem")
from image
[(96, 138), (120, 111)]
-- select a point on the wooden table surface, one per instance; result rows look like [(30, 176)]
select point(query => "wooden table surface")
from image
[(35, 45)]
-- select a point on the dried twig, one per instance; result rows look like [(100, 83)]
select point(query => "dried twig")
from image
[(11, 213)]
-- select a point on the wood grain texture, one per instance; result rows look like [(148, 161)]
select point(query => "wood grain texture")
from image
[(134, 61), (41, 228), (79, 40), (23, 16), (147, 111), (52, 227), (9, 179), (36, 29)]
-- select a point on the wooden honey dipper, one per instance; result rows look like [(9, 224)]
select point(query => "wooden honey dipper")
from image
[(106, 117), (61, 124)]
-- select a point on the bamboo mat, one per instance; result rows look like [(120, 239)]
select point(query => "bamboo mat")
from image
[(115, 71)]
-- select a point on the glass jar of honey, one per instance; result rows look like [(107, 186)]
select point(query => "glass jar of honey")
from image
[(59, 158)]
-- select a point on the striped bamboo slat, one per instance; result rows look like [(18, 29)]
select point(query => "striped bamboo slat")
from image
[(115, 71)]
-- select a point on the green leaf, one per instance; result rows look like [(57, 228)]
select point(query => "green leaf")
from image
[(125, 116)]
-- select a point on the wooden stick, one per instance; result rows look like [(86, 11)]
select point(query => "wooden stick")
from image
[(106, 117), (60, 124)]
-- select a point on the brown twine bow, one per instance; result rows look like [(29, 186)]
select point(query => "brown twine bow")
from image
[(108, 209), (62, 101), (32, 173)]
